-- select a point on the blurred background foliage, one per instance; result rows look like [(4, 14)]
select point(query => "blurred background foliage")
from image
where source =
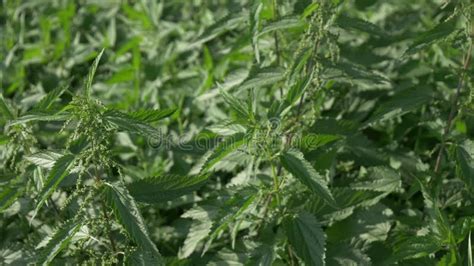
[(378, 101)]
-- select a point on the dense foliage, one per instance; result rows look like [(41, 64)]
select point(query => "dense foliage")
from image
[(228, 132)]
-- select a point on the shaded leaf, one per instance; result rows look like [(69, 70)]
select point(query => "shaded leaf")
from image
[(347, 22), (164, 188), (307, 238), (402, 102), (466, 166), (438, 33)]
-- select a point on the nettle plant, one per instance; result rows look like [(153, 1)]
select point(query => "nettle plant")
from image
[(312, 156)]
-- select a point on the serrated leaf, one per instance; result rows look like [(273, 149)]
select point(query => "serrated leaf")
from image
[(438, 33), (243, 110), (466, 166), (381, 179), (254, 25), (263, 255), (128, 215), (284, 23), (314, 141), (91, 74), (295, 163), (226, 256), (402, 102), (149, 116), (261, 78), (164, 188), (237, 205), (45, 159), (8, 196), (368, 224), (227, 23), (356, 71), (39, 116), (60, 170), (5, 109), (59, 241), (227, 146), (415, 247), (197, 233), (307, 238), (345, 254), (347, 22), (46, 102), (139, 257), (131, 124)]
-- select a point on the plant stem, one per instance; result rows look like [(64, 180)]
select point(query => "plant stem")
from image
[(109, 228), (106, 215), (454, 104)]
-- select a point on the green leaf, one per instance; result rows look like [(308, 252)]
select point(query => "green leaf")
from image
[(200, 228), (128, 215), (284, 23), (197, 233), (347, 22), (227, 23), (367, 224), (295, 163), (46, 102), (262, 77), (39, 116), (9, 195), (232, 209), (401, 102), (356, 71), (254, 25), (313, 141), (343, 253), (381, 179), (5, 109), (45, 159), (466, 166), (164, 188), (59, 171), (227, 146), (469, 250), (415, 247), (149, 116), (309, 10), (59, 240), (129, 123), (90, 76), (307, 238), (242, 109), (438, 33)]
